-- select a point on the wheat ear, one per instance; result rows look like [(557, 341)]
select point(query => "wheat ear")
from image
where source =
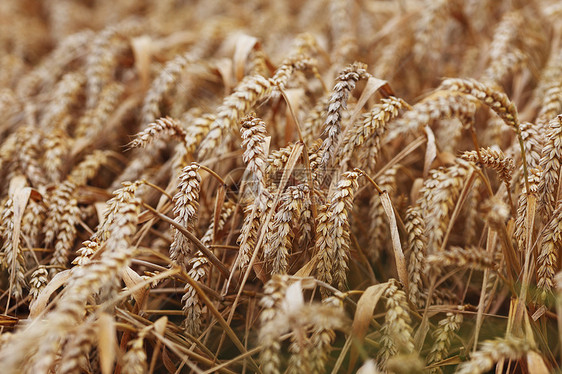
[(345, 83), (161, 127), (332, 232), (186, 204), (550, 165), (247, 94), (491, 351), (416, 244), (396, 330), (443, 335)]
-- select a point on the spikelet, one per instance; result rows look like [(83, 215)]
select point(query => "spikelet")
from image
[(28, 155), (86, 252), (286, 311), (289, 66), (65, 95), (252, 220), (38, 281), (345, 83), (276, 161), (52, 67), (312, 125), (102, 60), (57, 147), (443, 335), (429, 31), (185, 210), (322, 339), (32, 221), (345, 43), (533, 141), (332, 232), (196, 131), (491, 351), (505, 55), (548, 91), (120, 196), (56, 203)]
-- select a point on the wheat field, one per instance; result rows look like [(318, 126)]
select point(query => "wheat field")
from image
[(324, 186)]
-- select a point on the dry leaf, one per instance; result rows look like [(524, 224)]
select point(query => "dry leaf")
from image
[(131, 279), (107, 342), (39, 305), (396, 246), (536, 364), (244, 46), (363, 315), (430, 151), (373, 85), (142, 50)]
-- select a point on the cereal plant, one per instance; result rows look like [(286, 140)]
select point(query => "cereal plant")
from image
[(321, 186)]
